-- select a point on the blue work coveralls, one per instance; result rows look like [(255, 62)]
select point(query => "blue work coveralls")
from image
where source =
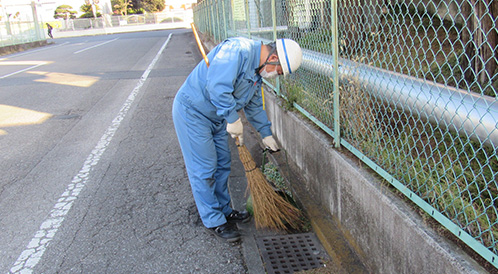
[(209, 98)]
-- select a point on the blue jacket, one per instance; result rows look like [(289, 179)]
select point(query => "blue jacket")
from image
[(228, 85)]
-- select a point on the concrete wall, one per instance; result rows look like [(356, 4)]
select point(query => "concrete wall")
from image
[(387, 235)]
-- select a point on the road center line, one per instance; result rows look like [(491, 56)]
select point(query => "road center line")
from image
[(98, 45), (33, 253)]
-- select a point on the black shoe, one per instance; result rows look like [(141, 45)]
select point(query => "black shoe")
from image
[(239, 216), (226, 232)]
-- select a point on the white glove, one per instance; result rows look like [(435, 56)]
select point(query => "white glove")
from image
[(236, 130), (270, 143)]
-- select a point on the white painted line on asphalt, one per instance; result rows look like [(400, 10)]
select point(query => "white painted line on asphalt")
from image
[(98, 45), (33, 253), (23, 70)]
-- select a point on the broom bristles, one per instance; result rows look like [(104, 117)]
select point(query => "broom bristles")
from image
[(270, 209)]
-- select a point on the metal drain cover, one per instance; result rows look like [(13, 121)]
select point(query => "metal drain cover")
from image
[(290, 253)]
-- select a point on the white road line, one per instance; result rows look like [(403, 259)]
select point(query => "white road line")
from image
[(33, 253), (98, 45), (22, 70)]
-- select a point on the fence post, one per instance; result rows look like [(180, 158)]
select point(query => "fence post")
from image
[(248, 22), (233, 20), (214, 14), (213, 23), (335, 56), (224, 20), (274, 22), (218, 30), (37, 25)]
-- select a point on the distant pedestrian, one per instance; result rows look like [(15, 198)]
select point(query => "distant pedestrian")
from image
[(49, 27)]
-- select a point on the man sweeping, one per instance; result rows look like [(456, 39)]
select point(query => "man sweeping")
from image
[(205, 112)]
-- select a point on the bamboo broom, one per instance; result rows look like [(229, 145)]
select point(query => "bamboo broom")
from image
[(269, 208)]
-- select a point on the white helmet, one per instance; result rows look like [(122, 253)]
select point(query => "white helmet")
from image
[(289, 54)]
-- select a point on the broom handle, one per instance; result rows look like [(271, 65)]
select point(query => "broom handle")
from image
[(201, 48)]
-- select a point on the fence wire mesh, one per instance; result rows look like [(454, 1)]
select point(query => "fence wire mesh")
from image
[(19, 28), (417, 90)]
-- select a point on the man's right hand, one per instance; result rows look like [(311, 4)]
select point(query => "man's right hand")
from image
[(236, 130), (270, 143)]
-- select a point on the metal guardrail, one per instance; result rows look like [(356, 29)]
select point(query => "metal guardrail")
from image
[(461, 111)]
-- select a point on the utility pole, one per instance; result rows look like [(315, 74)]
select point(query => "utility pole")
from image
[(35, 20)]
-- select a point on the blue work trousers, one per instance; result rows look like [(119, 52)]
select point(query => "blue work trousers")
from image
[(206, 153)]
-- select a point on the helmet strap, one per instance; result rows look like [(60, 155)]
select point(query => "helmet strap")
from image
[(272, 51)]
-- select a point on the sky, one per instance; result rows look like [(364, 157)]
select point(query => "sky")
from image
[(76, 4)]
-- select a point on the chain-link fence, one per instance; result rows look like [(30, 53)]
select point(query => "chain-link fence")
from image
[(17, 28), (18, 32), (410, 87)]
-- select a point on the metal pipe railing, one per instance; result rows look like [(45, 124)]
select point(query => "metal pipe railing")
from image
[(471, 114)]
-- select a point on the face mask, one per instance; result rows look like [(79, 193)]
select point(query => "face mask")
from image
[(269, 75)]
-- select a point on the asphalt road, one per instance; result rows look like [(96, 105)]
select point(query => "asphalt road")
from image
[(92, 178)]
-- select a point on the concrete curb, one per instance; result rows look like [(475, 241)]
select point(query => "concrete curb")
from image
[(21, 47)]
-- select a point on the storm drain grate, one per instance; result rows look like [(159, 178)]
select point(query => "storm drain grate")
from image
[(289, 253)]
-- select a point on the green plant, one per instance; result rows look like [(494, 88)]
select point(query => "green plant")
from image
[(293, 93), (88, 11), (65, 12), (273, 175)]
